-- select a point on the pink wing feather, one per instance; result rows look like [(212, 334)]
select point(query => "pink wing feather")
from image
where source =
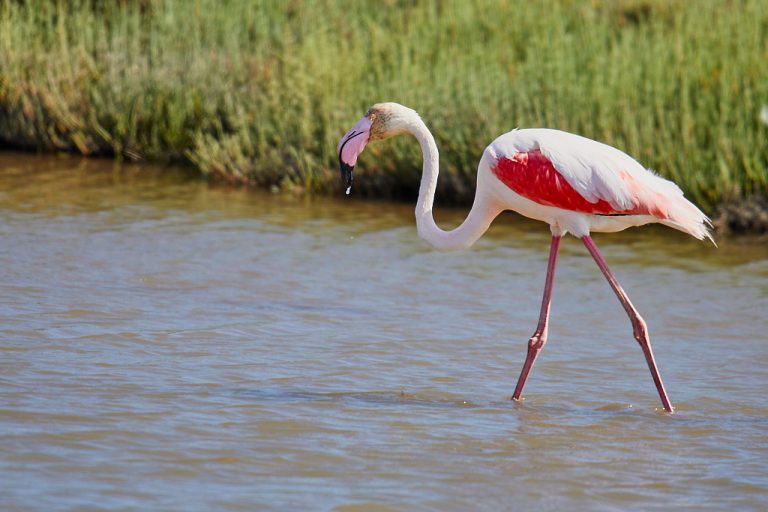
[(568, 171)]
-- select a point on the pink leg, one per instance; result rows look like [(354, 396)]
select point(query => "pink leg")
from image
[(539, 338), (638, 324)]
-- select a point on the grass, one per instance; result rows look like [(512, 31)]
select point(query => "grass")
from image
[(260, 92)]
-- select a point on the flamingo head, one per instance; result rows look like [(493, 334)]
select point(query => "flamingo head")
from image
[(382, 121)]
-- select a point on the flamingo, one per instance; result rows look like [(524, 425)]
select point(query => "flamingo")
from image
[(574, 184)]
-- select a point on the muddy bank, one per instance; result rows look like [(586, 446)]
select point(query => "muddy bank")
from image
[(748, 215)]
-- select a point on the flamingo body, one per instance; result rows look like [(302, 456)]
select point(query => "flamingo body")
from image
[(574, 184), (579, 185)]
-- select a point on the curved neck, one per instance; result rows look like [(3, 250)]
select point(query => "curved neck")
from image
[(479, 217)]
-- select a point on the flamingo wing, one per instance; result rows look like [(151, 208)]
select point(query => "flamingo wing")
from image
[(568, 171)]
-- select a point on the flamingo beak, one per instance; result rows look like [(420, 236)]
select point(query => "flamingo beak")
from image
[(350, 147)]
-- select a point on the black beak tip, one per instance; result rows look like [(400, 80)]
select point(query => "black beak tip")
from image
[(346, 174)]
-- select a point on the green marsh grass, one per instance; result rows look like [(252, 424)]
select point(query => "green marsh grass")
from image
[(260, 92)]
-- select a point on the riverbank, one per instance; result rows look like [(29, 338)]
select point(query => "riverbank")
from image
[(748, 215), (260, 93)]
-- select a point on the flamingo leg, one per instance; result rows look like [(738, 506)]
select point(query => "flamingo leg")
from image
[(639, 326), (539, 338)]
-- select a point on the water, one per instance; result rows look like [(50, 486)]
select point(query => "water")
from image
[(166, 344)]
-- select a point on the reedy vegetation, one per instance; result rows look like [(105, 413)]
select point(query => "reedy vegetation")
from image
[(260, 92)]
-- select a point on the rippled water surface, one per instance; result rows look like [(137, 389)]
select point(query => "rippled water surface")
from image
[(170, 345)]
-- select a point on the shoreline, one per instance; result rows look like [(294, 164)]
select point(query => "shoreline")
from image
[(748, 215), (737, 216)]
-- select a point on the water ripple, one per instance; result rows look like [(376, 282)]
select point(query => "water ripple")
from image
[(166, 344)]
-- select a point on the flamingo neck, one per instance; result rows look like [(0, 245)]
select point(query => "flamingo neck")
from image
[(473, 226)]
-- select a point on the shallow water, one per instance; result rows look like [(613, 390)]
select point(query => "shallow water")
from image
[(170, 345)]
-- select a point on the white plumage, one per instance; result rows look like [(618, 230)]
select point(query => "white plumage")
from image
[(597, 172)]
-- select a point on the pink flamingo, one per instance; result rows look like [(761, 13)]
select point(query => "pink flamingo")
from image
[(574, 184)]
